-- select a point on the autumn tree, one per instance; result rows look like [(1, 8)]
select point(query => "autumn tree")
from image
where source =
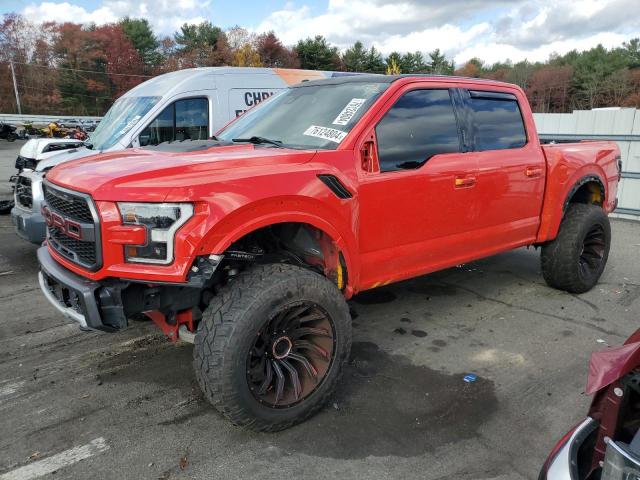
[(472, 68), (121, 61), (273, 54), (237, 37), (246, 56), (29, 48), (393, 64), (549, 88)]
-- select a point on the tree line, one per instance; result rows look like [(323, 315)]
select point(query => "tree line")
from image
[(74, 69)]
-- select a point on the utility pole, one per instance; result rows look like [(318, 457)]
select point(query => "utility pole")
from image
[(15, 87)]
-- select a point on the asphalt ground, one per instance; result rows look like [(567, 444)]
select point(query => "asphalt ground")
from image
[(126, 405)]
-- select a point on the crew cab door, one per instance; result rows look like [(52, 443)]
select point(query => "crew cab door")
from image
[(511, 169), (417, 187)]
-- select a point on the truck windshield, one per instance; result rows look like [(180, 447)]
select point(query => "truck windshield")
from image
[(121, 117), (306, 116)]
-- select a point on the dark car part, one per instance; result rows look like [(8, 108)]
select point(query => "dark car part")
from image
[(6, 206), (8, 132), (108, 305)]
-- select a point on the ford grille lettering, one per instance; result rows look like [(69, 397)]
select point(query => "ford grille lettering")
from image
[(68, 227)]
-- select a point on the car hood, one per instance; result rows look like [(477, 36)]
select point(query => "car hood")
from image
[(150, 175), (64, 156), (611, 364), (34, 146)]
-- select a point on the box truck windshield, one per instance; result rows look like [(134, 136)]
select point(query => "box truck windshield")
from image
[(121, 117)]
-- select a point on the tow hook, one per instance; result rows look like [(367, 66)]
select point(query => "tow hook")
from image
[(181, 327), (186, 335)]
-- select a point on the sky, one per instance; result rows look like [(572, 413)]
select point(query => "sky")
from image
[(492, 30)]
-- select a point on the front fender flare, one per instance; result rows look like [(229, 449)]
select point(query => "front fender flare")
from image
[(255, 216)]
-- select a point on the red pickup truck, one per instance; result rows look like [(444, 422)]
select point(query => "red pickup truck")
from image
[(249, 244)]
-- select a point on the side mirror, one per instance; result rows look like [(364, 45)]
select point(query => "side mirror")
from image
[(143, 138)]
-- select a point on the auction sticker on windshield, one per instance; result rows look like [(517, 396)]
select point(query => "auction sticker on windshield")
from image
[(349, 111), (326, 133)]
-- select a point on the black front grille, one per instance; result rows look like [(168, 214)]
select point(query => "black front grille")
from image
[(77, 250), (68, 205), (24, 194), (75, 207)]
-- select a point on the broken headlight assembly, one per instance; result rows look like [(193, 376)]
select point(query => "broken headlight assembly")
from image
[(162, 221), (621, 462)]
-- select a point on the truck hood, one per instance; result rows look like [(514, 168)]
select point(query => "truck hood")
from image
[(64, 156), (150, 175)]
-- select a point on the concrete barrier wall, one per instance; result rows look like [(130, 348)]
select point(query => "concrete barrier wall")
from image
[(18, 119)]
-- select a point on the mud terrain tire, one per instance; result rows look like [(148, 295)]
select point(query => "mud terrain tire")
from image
[(576, 258), (244, 311)]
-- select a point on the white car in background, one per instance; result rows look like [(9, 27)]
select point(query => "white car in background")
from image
[(38, 149), (27, 201)]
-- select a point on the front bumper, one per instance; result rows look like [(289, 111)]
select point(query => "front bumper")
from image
[(107, 304), (29, 225), (93, 305), (28, 220)]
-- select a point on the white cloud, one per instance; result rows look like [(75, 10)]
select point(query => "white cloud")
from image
[(492, 52), (65, 12), (492, 30), (165, 16)]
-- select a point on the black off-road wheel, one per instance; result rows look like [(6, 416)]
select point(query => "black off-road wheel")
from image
[(575, 259), (271, 346)]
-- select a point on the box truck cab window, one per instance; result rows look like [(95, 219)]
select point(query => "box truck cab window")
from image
[(186, 119), (121, 117)]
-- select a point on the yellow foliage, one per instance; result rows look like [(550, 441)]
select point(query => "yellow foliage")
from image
[(393, 68), (246, 56)]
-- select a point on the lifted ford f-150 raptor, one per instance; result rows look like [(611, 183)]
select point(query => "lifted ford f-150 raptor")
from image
[(250, 244)]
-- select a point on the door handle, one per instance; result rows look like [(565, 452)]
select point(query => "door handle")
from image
[(466, 181), (533, 172)]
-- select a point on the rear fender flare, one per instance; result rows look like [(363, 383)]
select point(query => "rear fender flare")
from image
[(580, 183)]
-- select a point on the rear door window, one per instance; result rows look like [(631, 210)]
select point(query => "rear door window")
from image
[(497, 121), (186, 119), (421, 124)]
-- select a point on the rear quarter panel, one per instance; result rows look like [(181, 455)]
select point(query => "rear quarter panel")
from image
[(568, 165)]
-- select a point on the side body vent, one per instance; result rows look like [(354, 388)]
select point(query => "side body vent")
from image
[(335, 186)]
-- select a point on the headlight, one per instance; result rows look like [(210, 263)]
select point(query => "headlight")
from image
[(162, 221)]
